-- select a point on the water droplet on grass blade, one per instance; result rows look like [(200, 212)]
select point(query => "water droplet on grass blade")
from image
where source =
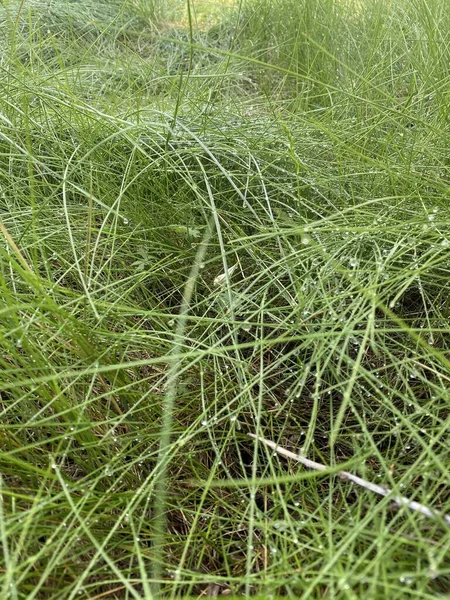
[(306, 239)]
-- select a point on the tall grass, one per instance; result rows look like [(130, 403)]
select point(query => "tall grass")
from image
[(218, 221)]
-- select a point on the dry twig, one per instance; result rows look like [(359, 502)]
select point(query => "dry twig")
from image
[(373, 487)]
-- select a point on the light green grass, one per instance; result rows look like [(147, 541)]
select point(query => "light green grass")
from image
[(146, 148)]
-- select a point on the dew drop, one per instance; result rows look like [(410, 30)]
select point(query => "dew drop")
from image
[(305, 239)]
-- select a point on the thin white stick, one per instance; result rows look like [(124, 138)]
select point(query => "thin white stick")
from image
[(373, 487)]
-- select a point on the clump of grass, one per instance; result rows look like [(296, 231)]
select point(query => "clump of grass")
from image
[(213, 235)]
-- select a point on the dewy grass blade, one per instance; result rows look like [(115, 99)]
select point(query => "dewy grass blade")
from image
[(309, 140)]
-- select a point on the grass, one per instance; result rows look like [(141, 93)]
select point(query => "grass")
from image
[(221, 219)]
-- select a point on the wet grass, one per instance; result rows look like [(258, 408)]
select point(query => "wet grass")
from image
[(219, 220)]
